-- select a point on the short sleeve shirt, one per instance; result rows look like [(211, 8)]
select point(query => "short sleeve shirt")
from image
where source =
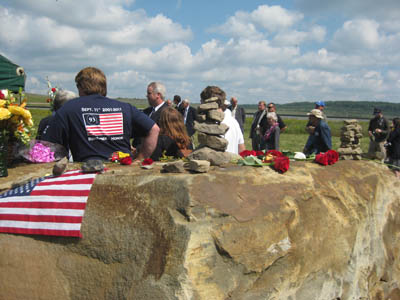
[(95, 126)]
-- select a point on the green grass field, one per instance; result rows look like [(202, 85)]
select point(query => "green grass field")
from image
[(293, 139)]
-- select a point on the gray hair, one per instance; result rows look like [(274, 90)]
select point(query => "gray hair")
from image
[(159, 88), (272, 115), (61, 97), (186, 101)]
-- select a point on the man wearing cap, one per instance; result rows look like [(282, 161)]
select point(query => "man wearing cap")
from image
[(320, 105), (320, 140), (378, 130)]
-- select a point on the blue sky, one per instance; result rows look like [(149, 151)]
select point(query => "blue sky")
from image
[(280, 51)]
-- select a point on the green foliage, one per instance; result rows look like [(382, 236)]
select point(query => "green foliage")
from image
[(37, 115)]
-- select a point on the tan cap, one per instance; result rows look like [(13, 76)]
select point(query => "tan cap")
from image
[(316, 113)]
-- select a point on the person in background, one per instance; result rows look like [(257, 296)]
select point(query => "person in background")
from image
[(60, 98), (189, 116), (93, 126), (272, 108), (156, 92), (169, 102), (378, 131), (256, 133), (393, 147), (155, 96), (178, 102), (173, 139), (238, 113), (320, 105), (320, 140), (234, 135), (272, 132)]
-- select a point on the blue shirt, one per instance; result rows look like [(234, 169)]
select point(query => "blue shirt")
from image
[(321, 140), (95, 126)]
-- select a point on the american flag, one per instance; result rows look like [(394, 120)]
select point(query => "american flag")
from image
[(47, 206), (104, 124)]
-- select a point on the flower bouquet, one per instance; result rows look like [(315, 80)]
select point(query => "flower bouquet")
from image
[(15, 125), (328, 158), (272, 158), (42, 151)]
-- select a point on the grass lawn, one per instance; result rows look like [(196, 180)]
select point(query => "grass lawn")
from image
[(293, 139)]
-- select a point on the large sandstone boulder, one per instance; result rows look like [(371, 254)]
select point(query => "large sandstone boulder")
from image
[(233, 233)]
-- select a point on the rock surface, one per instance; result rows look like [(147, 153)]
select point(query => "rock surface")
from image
[(234, 233)]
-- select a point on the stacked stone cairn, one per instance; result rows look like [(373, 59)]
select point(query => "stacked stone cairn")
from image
[(350, 136), (212, 145)]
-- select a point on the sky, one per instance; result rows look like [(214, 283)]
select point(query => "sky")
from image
[(280, 51)]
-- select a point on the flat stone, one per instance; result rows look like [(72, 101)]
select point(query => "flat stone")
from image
[(216, 158), (199, 166), (215, 115), (93, 165), (60, 167), (212, 141), (207, 106), (174, 167), (213, 129), (209, 100)]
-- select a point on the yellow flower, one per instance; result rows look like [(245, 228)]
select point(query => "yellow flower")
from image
[(2, 103), (20, 111), (28, 122), (4, 113)]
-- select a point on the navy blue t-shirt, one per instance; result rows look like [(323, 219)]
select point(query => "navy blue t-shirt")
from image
[(95, 126)]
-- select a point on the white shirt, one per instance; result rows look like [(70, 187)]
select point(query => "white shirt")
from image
[(234, 135)]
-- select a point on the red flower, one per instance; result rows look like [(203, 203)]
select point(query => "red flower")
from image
[(2, 96), (281, 163), (114, 156), (147, 162), (126, 160), (48, 100), (333, 156), (245, 153), (322, 159), (54, 90), (260, 153), (274, 153)]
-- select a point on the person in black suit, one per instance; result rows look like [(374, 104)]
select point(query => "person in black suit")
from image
[(238, 113), (155, 96), (189, 115), (178, 103), (256, 131)]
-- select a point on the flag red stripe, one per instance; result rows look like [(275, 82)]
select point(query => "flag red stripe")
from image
[(60, 205), (72, 233), (59, 193), (33, 218), (73, 181)]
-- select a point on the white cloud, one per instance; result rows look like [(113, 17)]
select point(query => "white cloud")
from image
[(275, 18), (359, 34)]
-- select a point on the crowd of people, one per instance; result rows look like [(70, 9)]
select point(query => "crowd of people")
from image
[(93, 126)]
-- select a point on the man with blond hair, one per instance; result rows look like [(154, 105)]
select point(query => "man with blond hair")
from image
[(93, 126)]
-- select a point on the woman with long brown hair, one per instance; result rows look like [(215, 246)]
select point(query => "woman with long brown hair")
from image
[(173, 139)]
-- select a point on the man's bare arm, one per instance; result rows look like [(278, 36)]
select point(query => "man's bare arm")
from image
[(149, 143)]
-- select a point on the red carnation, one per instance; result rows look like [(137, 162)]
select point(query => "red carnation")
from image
[(333, 156), (126, 160), (48, 100), (2, 96), (281, 163), (245, 153), (53, 90), (260, 153), (147, 162), (322, 159), (274, 153)]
